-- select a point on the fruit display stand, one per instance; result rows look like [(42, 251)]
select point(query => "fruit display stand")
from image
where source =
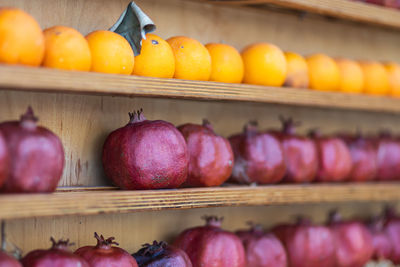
[(82, 108)]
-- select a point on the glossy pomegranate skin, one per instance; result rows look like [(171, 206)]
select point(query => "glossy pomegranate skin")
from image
[(146, 155), (161, 255), (307, 245), (211, 156), (8, 261), (209, 246), (381, 242), (300, 154), (388, 158), (36, 156), (258, 157), (104, 254), (262, 249), (392, 229), (4, 160), (58, 255), (335, 163)]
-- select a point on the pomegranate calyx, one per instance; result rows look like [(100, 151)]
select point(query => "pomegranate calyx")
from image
[(301, 220), (335, 217), (213, 220), (105, 243), (289, 125), (251, 127), (255, 227), (61, 244), (314, 133), (207, 124), (149, 252), (29, 120), (136, 116)]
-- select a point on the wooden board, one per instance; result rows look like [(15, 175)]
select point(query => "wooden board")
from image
[(55, 81), (116, 201)]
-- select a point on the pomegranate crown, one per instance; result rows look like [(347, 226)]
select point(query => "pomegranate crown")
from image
[(136, 116), (334, 216), (255, 227), (251, 127), (61, 244), (289, 125), (150, 251), (29, 115), (207, 124), (213, 220), (102, 242)]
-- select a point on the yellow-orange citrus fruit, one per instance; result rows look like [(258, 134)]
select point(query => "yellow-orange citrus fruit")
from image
[(66, 49), (351, 76), (297, 71), (192, 60), (376, 78), (393, 70), (156, 58), (323, 73), (226, 63), (111, 53), (264, 64), (21, 38)]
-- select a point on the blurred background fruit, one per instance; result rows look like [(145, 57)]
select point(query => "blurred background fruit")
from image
[(351, 76), (376, 79), (323, 72), (393, 70), (156, 58), (111, 53), (297, 71), (21, 38)]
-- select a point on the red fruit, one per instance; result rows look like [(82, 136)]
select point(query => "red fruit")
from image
[(161, 255), (146, 155), (4, 160), (380, 240), (307, 245), (36, 156), (300, 154), (392, 229), (388, 158), (353, 242), (258, 157), (105, 255), (364, 157), (262, 249), (209, 246), (211, 156), (335, 163), (387, 3), (58, 255), (8, 261)]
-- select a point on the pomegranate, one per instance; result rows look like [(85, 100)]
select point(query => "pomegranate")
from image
[(262, 249), (353, 242), (386, 3), (380, 240), (209, 245), (37, 156), (146, 155), (58, 255), (8, 261), (258, 157), (307, 245), (105, 255), (4, 160), (388, 157), (300, 154), (335, 162), (160, 255), (392, 229), (211, 156)]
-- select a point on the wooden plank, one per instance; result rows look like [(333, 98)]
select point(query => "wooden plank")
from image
[(344, 9), (116, 201), (49, 80)]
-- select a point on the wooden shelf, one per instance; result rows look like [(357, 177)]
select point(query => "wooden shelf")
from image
[(55, 81), (92, 201), (343, 9)]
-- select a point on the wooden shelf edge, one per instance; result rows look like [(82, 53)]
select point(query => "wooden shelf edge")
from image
[(56, 81), (117, 201)]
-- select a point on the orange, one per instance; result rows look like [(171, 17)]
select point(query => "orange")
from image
[(297, 71), (192, 60), (21, 38), (111, 53), (323, 73), (156, 58), (66, 49), (351, 76), (376, 79), (226, 64), (264, 64), (393, 71)]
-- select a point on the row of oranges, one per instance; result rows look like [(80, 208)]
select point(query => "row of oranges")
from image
[(23, 42)]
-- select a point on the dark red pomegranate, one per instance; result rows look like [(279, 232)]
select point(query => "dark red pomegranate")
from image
[(353, 242), (300, 154), (209, 246), (58, 255), (146, 155), (307, 245), (335, 162), (380, 240), (8, 261), (392, 229), (364, 157), (211, 156), (388, 157), (386, 3), (36, 156), (104, 254), (258, 157), (161, 255), (262, 249), (4, 160)]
